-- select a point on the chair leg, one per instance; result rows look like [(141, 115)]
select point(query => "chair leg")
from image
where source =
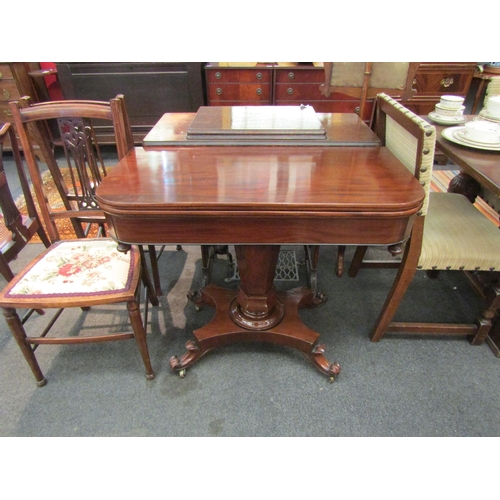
[(406, 271), (146, 279), (140, 336), (340, 260), (5, 269), (154, 268), (485, 322), (207, 257), (19, 334), (401, 283), (357, 260)]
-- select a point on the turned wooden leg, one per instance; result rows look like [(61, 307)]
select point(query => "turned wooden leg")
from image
[(487, 316), (464, 184), (154, 268), (19, 334), (140, 336)]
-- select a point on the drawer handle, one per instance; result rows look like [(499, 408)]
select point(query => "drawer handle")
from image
[(356, 110), (289, 91), (218, 75), (258, 91), (447, 82), (6, 93), (8, 112), (291, 75), (259, 76), (1, 75), (218, 91)]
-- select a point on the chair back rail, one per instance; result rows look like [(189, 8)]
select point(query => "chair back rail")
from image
[(21, 228)]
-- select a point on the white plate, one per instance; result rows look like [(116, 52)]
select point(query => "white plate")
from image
[(455, 134), (463, 135), (446, 120), (484, 114)]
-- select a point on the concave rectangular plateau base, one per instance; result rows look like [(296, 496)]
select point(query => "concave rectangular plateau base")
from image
[(256, 312)]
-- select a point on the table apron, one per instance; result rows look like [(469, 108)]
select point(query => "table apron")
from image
[(373, 230)]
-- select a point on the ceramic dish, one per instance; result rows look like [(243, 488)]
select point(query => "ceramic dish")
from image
[(484, 114), (446, 120), (449, 111), (465, 136), (451, 101), (456, 135)]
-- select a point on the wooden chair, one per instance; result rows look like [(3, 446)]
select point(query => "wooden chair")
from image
[(20, 228), (449, 233), (364, 81), (74, 123), (77, 273)]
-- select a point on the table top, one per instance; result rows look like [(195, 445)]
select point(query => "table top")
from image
[(226, 190), (482, 165), (342, 129)]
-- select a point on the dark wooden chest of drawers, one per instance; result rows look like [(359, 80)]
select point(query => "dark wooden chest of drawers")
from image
[(229, 84), (436, 79), (239, 87)]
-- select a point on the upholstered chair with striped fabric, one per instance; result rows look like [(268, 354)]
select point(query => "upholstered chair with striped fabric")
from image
[(449, 233)]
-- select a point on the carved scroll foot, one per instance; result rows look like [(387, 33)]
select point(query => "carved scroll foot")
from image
[(330, 369), (191, 356), (199, 298), (318, 300)]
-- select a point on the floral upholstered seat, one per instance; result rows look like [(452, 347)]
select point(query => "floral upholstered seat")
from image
[(77, 273), (77, 268)]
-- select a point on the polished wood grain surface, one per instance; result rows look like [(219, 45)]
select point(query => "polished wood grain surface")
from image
[(260, 195), (342, 129)]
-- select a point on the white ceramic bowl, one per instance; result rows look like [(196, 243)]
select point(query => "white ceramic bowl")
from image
[(451, 101), (493, 106), (441, 110), (482, 131)]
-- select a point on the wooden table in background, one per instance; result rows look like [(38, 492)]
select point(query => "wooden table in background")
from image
[(478, 168), (342, 129), (258, 198)]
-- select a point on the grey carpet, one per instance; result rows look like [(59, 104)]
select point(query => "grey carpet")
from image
[(397, 387)]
